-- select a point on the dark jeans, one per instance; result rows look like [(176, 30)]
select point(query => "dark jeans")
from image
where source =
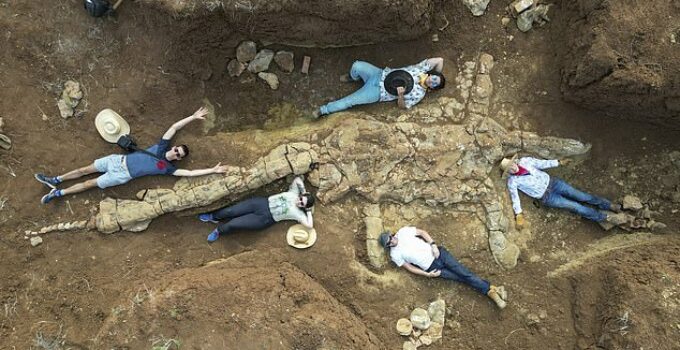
[(451, 269), (250, 214), (560, 195)]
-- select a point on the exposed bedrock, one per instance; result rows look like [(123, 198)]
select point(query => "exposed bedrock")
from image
[(314, 23), (624, 59)]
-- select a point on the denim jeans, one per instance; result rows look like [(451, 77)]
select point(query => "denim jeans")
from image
[(451, 269), (560, 195), (250, 214), (369, 93)]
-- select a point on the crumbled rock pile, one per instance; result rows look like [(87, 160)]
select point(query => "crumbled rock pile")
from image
[(636, 215), (477, 7), (69, 99), (258, 62), (423, 327), (5, 141), (528, 13)]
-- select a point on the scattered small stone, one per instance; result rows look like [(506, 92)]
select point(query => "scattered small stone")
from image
[(5, 141), (535, 258), (235, 68), (306, 61), (285, 60), (246, 51), (420, 319), (505, 21), (2, 124), (408, 345), (542, 314), (632, 203), (426, 340), (435, 331), (36, 241), (435, 37), (270, 78), (261, 61), (404, 326)]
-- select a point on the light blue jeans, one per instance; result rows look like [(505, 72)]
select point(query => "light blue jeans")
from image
[(560, 195), (369, 93)]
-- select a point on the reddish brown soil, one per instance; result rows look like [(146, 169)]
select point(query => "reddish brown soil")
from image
[(155, 69)]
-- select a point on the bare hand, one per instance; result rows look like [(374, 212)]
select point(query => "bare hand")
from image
[(435, 251), (400, 90), (566, 161), (434, 273), (220, 169), (200, 113)]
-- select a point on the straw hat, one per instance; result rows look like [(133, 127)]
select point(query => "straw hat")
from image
[(111, 125), (506, 162), (301, 237)]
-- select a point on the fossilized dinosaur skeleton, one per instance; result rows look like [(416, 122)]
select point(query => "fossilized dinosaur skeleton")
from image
[(442, 154)]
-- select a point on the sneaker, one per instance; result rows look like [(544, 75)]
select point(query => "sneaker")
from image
[(493, 294), (502, 293), (345, 78), (207, 218), (48, 197), (213, 236), (48, 181)]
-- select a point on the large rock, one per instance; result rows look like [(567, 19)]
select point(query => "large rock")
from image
[(246, 51), (477, 7), (420, 319), (261, 61), (270, 78), (285, 60), (235, 68)]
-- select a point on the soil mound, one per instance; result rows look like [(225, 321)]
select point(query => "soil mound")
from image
[(232, 305), (315, 23), (624, 59), (628, 298)]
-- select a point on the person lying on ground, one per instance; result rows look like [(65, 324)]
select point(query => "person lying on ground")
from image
[(118, 169), (259, 213), (407, 85), (415, 250), (525, 175)]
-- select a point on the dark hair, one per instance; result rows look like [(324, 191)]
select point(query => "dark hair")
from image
[(185, 148), (310, 200), (442, 81)]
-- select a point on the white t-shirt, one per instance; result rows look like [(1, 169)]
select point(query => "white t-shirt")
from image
[(411, 249)]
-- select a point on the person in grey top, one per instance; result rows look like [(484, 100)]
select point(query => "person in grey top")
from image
[(259, 213)]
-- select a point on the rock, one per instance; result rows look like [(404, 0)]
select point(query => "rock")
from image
[(519, 6), (270, 78), (435, 331), (425, 339), (2, 124), (437, 310), (5, 142), (246, 51), (485, 63), (477, 7), (285, 60), (404, 327), (435, 37), (64, 109), (632, 203), (505, 252), (36, 241), (420, 319), (505, 21), (261, 61), (72, 93), (408, 345), (525, 21)]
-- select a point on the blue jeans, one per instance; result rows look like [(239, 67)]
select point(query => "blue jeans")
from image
[(250, 214), (451, 269), (369, 93), (560, 195)]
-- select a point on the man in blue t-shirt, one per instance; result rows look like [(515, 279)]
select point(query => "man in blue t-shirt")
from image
[(118, 169)]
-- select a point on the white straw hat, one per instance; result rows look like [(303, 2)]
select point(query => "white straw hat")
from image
[(111, 125), (300, 237)]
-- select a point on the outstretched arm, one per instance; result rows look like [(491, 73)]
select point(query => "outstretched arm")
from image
[(217, 169), (199, 114), (297, 186), (437, 64)]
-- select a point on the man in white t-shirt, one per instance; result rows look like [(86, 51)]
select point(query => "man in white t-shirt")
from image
[(415, 250)]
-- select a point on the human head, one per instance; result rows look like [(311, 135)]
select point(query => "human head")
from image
[(177, 152), (387, 240), (305, 201), (435, 81), (509, 165)]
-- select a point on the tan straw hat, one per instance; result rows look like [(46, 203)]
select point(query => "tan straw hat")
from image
[(301, 237), (506, 162), (111, 125)]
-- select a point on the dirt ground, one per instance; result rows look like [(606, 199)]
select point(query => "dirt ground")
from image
[(155, 69)]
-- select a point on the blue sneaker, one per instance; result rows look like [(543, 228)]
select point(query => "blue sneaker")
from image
[(207, 218), (213, 236), (50, 196), (48, 181)]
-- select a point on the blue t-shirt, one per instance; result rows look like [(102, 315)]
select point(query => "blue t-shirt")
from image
[(141, 164)]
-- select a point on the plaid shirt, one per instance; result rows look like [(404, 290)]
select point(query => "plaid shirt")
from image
[(533, 184)]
